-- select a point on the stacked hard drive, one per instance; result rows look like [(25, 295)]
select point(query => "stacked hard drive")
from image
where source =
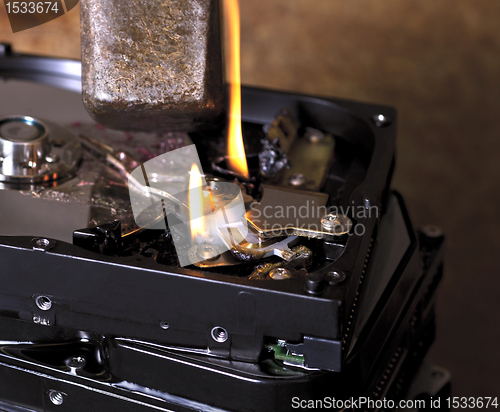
[(327, 297)]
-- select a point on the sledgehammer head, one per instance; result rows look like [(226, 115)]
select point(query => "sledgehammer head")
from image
[(152, 65)]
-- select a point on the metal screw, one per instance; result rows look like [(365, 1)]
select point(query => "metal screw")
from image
[(280, 274), (164, 325), (43, 244), (335, 276), (219, 334), (336, 224), (56, 397), (381, 120), (76, 362), (432, 231), (43, 302), (297, 179)]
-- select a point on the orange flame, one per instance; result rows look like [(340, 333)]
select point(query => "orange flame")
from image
[(237, 161), (196, 203)]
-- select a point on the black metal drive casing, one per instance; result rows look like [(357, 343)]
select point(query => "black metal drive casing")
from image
[(118, 306)]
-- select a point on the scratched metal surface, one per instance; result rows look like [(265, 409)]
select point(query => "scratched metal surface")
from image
[(152, 64)]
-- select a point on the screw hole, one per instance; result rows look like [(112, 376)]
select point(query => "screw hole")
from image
[(335, 277), (56, 397), (43, 302), (219, 334)]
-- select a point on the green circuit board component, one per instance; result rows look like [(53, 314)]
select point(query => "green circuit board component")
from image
[(283, 354)]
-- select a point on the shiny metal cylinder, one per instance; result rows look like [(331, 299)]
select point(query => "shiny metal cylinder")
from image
[(35, 151), (24, 144)]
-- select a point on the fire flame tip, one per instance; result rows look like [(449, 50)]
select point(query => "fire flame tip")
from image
[(237, 161)]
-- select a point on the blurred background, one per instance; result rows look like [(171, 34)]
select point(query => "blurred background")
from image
[(438, 63)]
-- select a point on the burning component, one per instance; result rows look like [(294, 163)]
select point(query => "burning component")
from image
[(280, 135), (199, 199), (197, 216), (292, 158), (272, 158), (153, 67)]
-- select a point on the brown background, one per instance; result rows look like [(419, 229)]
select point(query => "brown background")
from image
[(438, 63)]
